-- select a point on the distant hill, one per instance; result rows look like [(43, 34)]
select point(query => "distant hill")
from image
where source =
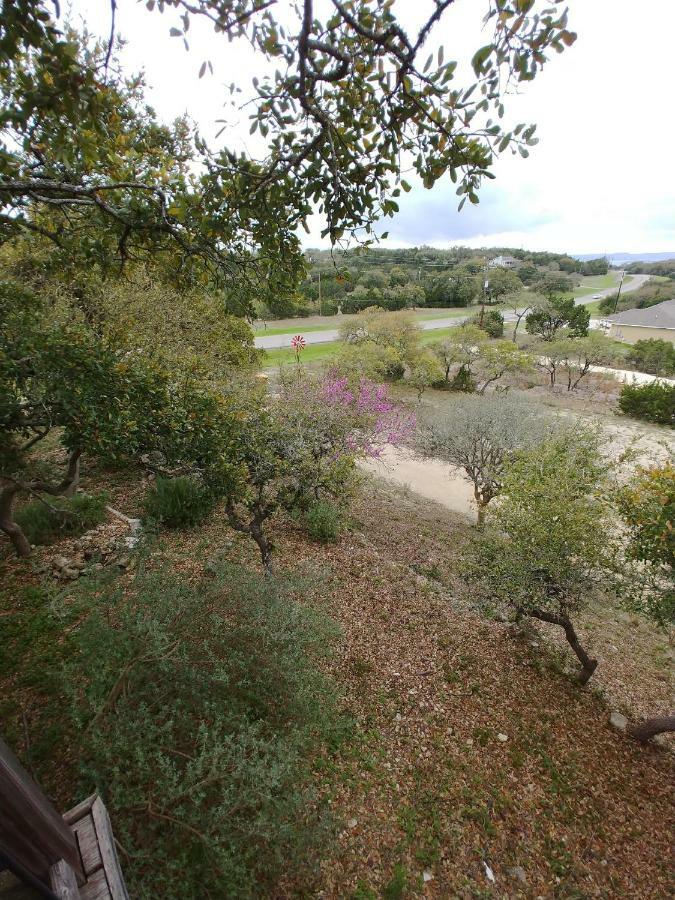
[(622, 259)]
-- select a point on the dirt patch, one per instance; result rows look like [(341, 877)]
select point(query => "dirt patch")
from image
[(430, 479)]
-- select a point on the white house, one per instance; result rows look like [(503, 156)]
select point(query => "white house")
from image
[(504, 262), (657, 322)]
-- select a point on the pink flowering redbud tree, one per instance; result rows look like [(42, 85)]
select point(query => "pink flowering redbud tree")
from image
[(303, 447)]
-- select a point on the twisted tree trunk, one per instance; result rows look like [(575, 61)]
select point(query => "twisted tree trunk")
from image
[(647, 729), (7, 524), (255, 529), (13, 486), (588, 664)]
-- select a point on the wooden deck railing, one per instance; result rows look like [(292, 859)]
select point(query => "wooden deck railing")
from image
[(33, 836)]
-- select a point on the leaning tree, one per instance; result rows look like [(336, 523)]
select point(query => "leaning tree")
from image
[(549, 544)]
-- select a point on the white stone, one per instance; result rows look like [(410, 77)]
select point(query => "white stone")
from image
[(502, 737), (618, 721), (352, 823), (427, 875), (519, 873)]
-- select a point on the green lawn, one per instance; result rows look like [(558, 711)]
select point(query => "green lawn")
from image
[(300, 328), (594, 283), (311, 353), (437, 334), (445, 314), (318, 352)]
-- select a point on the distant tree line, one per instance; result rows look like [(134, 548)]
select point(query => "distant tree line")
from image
[(665, 268), (424, 276)]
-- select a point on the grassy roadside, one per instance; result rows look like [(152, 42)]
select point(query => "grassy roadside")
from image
[(593, 283), (311, 354), (304, 326), (315, 353)]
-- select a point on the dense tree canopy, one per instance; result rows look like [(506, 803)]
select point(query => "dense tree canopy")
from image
[(84, 161)]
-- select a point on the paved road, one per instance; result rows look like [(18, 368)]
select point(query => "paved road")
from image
[(275, 341), (636, 281)]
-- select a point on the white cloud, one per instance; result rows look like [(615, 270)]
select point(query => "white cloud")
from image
[(600, 179)]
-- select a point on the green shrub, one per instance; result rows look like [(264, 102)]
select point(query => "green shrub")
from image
[(70, 515), (652, 402), (204, 757), (463, 381), (177, 502), (492, 324), (323, 521), (654, 356)]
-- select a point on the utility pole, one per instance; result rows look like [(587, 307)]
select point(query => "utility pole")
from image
[(618, 293), (320, 312), (486, 284)]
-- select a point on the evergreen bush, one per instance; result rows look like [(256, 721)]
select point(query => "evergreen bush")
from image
[(492, 323), (177, 502), (323, 521), (203, 709), (42, 523), (652, 402)]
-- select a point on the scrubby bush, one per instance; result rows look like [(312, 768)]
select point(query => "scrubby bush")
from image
[(368, 360), (649, 294), (647, 506), (491, 322), (652, 402), (302, 445), (42, 522), (425, 371), (203, 713), (478, 435), (460, 348), (464, 382), (654, 356), (323, 521), (177, 502)]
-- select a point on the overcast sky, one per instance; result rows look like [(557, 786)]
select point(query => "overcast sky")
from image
[(600, 180)]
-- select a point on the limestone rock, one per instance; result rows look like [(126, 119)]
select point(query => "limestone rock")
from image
[(518, 872), (618, 721)]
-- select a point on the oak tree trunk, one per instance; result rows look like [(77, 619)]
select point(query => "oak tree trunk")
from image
[(588, 664), (265, 547), (651, 727), (11, 488), (7, 524)]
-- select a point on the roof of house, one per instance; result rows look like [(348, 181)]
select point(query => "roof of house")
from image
[(505, 259), (660, 316)]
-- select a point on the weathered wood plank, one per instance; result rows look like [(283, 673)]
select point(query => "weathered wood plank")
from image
[(87, 841), (31, 830), (96, 887), (106, 844), (63, 881), (77, 812)]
